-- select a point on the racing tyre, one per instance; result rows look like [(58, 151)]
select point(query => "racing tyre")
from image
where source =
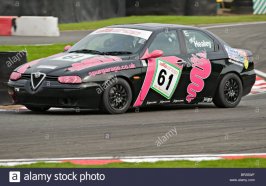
[(117, 97), (229, 92), (37, 108)]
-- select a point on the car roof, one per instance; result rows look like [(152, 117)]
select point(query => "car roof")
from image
[(151, 26)]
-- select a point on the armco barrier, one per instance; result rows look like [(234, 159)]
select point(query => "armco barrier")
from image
[(6, 24), (8, 62), (36, 26)]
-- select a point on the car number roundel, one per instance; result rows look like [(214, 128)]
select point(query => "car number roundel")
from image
[(166, 78)]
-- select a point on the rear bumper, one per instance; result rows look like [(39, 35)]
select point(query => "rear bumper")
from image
[(248, 79), (81, 96)]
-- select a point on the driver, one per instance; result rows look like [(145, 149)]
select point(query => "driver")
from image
[(120, 43)]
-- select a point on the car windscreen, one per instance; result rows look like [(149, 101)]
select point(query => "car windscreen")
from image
[(113, 41)]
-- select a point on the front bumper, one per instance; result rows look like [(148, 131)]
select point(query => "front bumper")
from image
[(54, 94)]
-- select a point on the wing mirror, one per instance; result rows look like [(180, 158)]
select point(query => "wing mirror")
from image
[(67, 48), (154, 54)]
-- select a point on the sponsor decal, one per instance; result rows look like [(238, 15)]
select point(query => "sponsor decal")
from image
[(73, 57), (178, 101), (207, 100), (151, 102), (47, 66), (166, 78), (93, 61), (200, 44), (144, 63), (237, 56), (201, 69), (164, 101), (112, 69), (125, 31), (236, 62)]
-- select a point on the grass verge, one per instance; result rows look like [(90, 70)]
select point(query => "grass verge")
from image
[(36, 52), (185, 20), (242, 163)]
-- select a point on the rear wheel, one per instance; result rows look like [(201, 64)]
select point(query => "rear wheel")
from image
[(117, 97), (229, 92), (37, 108)]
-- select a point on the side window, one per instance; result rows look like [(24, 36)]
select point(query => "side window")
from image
[(197, 41), (168, 42)]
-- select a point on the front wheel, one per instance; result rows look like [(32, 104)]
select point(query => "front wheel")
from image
[(117, 97), (37, 108), (229, 92)]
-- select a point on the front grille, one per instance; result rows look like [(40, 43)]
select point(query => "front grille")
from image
[(49, 78)]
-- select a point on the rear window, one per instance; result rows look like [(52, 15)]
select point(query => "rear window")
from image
[(197, 41)]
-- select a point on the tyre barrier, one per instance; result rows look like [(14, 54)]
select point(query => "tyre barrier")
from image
[(29, 26), (242, 6), (205, 7), (6, 25), (155, 7), (9, 61), (171, 7)]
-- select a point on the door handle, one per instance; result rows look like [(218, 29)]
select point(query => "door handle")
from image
[(181, 62)]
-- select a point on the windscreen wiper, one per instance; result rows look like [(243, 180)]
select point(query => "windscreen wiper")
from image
[(117, 53), (87, 51)]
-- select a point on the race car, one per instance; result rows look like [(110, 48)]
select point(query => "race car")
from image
[(136, 65)]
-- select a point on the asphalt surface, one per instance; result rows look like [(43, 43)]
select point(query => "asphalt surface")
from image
[(202, 130), (65, 37)]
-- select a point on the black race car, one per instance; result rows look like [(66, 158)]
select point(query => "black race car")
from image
[(123, 66)]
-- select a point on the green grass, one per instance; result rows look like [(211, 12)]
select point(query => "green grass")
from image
[(186, 20), (36, 52), (243, 163)]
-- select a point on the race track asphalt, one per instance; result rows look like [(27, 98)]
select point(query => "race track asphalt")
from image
[(200, 130)]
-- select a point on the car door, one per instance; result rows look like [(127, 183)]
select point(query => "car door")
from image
[(163, 74), (203, 64)]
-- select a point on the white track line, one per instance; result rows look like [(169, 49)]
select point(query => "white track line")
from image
[(260, 73), (233, 25), (194, 157)]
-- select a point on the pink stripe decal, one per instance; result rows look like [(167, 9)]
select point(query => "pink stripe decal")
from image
[(201, 70), (149, 76), (147, 83), (23, 68)]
